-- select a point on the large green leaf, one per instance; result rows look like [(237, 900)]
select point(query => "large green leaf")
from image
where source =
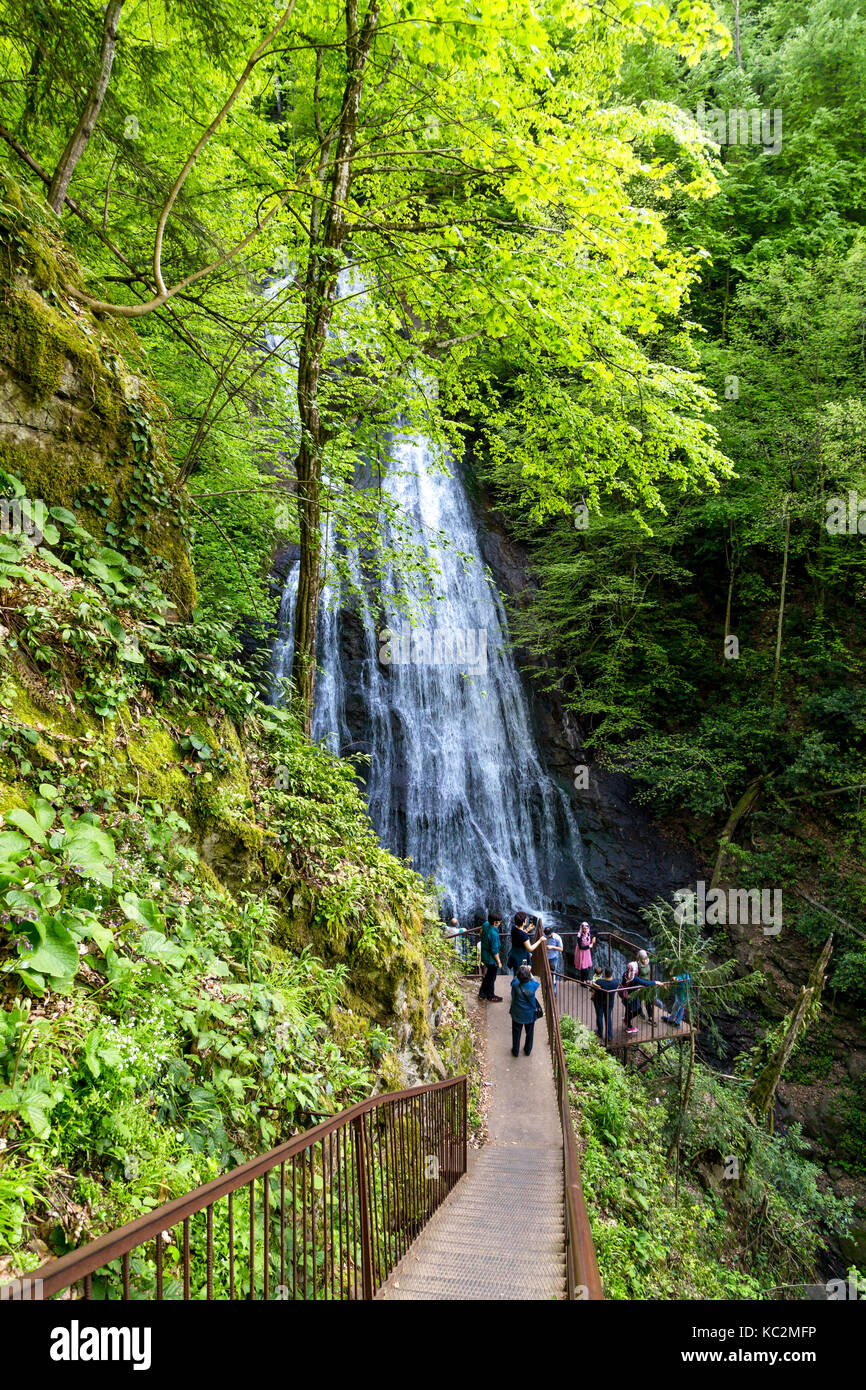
[(85, 925), (158, 947), (90, 850), (32, 1109), (34, 981), (44, 813), (20, 902), (26, 822), (143, 911), (12, 846), (57, 956)]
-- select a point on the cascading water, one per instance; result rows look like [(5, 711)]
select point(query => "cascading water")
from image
[(455, 783)]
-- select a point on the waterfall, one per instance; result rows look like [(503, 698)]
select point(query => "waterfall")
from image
[(455, 782)]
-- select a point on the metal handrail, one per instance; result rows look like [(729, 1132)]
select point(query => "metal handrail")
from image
[(583, 1278), (353, 1193)]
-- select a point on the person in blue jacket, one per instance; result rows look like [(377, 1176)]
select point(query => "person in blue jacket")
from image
[(675, 1017), (523, 1009)]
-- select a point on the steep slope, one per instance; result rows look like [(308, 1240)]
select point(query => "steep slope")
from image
[(202, 944)]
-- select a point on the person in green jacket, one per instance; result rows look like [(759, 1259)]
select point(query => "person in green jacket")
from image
[(491, 946)]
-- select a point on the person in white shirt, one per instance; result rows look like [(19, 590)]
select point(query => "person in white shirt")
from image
[(553, 941)]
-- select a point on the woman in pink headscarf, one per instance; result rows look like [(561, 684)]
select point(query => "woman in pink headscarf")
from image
[(583, 952)]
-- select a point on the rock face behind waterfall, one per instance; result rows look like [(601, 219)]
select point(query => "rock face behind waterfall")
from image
[(626, 855)]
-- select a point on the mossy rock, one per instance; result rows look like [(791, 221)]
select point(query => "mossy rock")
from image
[(41, 342), (154, 754), (70, 402)]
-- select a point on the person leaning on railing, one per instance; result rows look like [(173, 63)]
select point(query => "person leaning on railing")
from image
[(604, 988), (627, 988), (464, 948)]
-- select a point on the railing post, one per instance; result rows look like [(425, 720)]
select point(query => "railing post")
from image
[(465, 1123), (364, 1206)]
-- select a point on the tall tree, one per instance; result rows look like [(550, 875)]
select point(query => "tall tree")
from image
[(78, 140)]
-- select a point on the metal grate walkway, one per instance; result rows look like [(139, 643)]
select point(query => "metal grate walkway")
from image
[(501, 1232)]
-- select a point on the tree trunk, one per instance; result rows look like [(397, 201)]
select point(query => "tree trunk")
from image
[(778, 657), (687, 1089), (763, 1088), (743, 805), (320, 292), (80, 137), (731, 571)]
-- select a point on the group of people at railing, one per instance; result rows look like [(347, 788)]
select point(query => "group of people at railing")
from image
[(636, 985)]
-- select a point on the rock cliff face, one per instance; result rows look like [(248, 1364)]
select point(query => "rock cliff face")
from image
[(630, 859), (78, 425)]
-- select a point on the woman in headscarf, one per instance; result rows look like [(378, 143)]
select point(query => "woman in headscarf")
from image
[(583, 952), (645, 999)]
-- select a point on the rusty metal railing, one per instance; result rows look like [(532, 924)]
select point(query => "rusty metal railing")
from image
[(583, 1279), (325, 1216)]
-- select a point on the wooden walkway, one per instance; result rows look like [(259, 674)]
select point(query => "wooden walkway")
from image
[(501, 1232), (576, 1000)]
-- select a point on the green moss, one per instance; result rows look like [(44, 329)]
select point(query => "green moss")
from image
[(154, 755), (42, 263), (10, 193), (391, 1074), (42, 341), (11, 796), (88, 442), (47, 714)]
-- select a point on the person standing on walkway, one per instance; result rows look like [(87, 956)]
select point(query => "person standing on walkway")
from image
[(491, 947), (604, 992), (675, 1017), (521, 946), (524, 1009), (554, 953), (645, 975), (459, 935), (627, 989), (583, 952)]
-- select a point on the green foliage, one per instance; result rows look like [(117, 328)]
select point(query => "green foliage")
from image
[(628, 624), (716, 1239), (188, 1039)]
